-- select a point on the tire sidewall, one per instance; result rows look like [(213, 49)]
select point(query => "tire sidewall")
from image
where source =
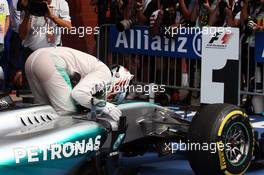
[(226, 121), (208, 126)]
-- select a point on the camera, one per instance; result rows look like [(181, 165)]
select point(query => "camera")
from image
[(35, 7), (126, 24)]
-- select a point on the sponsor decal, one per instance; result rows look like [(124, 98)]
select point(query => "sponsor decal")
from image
[(56, 151), (139, 41), (219, 40), (221, 155), (155, 44)]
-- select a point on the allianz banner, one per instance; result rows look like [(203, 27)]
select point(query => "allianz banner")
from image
[(259, 46), (186, 43)]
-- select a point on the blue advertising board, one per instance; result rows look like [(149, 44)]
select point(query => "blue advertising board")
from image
[(259, 46), (138, 40)]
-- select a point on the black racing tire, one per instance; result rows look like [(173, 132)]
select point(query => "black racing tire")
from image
[(227, 132)]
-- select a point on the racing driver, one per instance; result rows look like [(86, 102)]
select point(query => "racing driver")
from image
[(62, 77)]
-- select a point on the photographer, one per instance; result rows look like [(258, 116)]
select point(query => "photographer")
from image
[(57, 15), (42, 21)]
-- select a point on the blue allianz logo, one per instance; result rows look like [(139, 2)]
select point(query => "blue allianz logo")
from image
[(138, 41), (197, 44)]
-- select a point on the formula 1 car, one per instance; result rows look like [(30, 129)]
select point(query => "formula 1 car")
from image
[(34, 139)]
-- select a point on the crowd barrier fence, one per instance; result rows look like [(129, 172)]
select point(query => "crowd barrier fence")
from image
[(172, 64)]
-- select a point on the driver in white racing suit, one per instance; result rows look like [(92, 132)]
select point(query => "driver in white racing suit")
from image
[(49, 72)]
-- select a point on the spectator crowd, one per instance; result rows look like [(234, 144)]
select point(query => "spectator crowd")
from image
[(247, 15)]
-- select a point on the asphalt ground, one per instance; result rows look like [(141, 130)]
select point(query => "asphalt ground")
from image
[(177, 164)]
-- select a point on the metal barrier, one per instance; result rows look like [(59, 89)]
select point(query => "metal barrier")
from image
[(180, 72), (252, 79), (173, 72), (251, 74)]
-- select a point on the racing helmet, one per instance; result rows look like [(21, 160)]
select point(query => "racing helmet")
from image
[(121, 78)]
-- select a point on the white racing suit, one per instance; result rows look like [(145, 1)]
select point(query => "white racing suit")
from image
[(48, 72)]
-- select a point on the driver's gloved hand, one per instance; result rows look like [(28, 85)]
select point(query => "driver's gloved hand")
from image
[(110, 110)]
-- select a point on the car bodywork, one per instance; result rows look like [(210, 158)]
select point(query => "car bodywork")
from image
[(36, 139)]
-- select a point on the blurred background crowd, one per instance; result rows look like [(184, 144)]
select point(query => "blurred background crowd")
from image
[(245, 14)]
